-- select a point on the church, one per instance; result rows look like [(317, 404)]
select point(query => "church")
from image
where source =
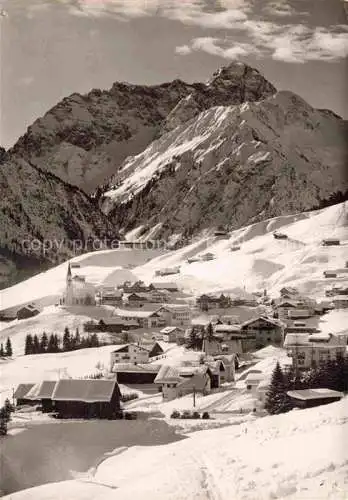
[(77, 291)]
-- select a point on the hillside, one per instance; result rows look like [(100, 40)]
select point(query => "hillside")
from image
[(261, 262), (231, 166), (37, 206)]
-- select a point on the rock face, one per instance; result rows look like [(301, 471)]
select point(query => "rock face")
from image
[(85, 138), (42, 220), (232, 166)]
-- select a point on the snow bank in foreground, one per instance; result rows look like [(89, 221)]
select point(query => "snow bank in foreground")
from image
[(300, 455)]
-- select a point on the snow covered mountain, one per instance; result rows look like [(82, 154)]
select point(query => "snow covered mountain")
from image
[(230, 166), (84, 138)]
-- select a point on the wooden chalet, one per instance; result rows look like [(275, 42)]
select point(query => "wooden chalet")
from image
[(86, 398), (20, 395), (308, 398)]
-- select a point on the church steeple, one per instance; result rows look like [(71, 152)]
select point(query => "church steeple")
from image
[(69, 275)]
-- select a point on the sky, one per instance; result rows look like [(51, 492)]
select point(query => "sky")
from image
[(52, 48)]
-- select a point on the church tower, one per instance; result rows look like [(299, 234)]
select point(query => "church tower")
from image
[(69, 291)]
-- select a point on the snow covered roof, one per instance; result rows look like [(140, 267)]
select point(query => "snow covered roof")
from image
[(22, 390), (198, 382), (88, 391), (125, 348), (138, 368), (254, 377), (42, 390), (167, 374), (227, 328), (134, 313), (170, 329), (263, 318), (307, 394), (165, 286)]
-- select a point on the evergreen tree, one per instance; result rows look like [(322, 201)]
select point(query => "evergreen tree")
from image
[(276, 399), (4, 414), (94, 340), (2, 352), (66, 340), (28, 344), (44, 342), (210, 333), (3, 425), (9, 351), (50, 347), (8, 407), (195, 340), (36, 345), (56, 347), (77, 338)]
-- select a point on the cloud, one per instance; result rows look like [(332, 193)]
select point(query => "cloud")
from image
[(290, 43), (183, 50)]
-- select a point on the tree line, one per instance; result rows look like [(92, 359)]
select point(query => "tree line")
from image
[(7, 350), (331, 375), (35, 344)]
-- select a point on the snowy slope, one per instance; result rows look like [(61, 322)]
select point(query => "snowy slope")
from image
[(262, 261), (298, 456)]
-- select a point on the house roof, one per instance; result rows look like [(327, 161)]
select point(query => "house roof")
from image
[(131, 313), (174, 307), (262, 318), (22, 390), (138, 368), (308, 394), (88, 391), (168, 374), (170, 329), (198, 382), (42, 390), (165, 286), (227, 328), (254, 377), (125, 348), (29, 307)]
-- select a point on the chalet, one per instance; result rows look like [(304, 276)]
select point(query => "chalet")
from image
[(178, 381), (252, 381), (157, 348), (230, 362), (20, 395), (145, 319), (300, 327), (43, 392), (330, 242), (109, 296), (308, 398), (116, 325), (340, 301), (330, 274), (221, 234), (167, 286), (280, 236), (159, 296), (207, 256), (206, 302), (218, 376), (262, 332), (168, 271), (28, 311), (171, 333), (175, 314), (235, 248), (130, 353), (191, 260), (310, 351), (130, 374), (86, 398), (283, 307), (136, 299), (297, 313)]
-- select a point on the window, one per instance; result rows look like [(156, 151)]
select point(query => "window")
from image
[(249, 387)]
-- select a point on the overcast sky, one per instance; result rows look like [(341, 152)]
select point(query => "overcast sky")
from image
[(52, 48)]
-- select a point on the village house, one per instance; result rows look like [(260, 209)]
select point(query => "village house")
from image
[(110, 325), (145, 319), (167, 271), (309, 398), (136, 299), (178, 381), (261, 332), (135, 374), (164, 286), (252, 381), (171, 333), (330, 242), (288, 292), (109, 296), (86, 398), (78, 291), (311, 351), (330, 274), (130, 353), (206, 302), (27, 311), (175, 314), (137, 287), (230, 363), (20, 393), (207, 256)]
